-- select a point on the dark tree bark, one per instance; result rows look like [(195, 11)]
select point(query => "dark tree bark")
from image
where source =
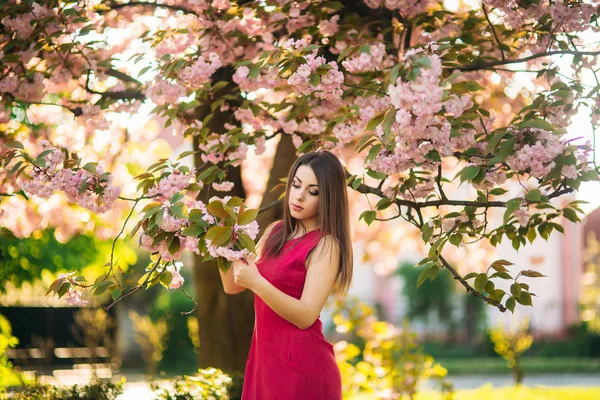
[(226, 321)]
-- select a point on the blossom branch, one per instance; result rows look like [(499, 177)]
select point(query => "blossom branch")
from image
[(489, 65), (469, 287)]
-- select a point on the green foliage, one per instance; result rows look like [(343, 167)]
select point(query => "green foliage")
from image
[(8, 377), (389, 360), (432, 296), (151, 336), (510, 345), (206, 384), (97, 390), (24, 260)]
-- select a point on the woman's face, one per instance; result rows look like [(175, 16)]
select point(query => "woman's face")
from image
[(304, 192)]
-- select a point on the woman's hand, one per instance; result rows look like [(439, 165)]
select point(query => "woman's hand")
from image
[(245, 273)]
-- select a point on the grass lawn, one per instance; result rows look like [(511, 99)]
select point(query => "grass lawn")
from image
[(514, 393), (530, 365)]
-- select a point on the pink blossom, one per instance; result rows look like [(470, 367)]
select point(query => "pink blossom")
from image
[(177, 280), (329, 28), (200, 72), (314, 126), (223, 186), (162, 92), (329, 86), (457, 105), (569, 171), (522, 215), (297, 140), (75, 297), (366, 61), (21, 25), (536, 158), (170, 185)]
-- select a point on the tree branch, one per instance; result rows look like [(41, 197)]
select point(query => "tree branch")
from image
[(469, 287), (487, 17), (115, 6), (489, 65)]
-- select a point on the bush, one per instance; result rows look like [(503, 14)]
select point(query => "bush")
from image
[(97, 390), (206, 384)]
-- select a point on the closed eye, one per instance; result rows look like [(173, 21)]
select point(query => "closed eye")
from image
[(312, 193)]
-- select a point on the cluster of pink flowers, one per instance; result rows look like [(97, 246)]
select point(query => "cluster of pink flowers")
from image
[(329, 27), (406, 7), (213, 150), (27, 89), (174, 44), (457, 105), (185, 242), (312, 126), (162, 92), (21, 25), (522, 215), (169, 185), (572, 17), (417, 128), (200, 72), (73, 297), (328, 88), (247, 84), (347, 132), (98, 196), (177, 280), (366, 61), (300, 44), (223, 186), (536, 158)]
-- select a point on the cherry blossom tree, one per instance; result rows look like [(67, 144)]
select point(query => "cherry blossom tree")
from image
[(406, 87)]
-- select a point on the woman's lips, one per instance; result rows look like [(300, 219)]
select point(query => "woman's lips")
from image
[(296, 207)]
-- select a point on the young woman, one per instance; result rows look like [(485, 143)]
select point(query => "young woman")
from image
[(302, 259)]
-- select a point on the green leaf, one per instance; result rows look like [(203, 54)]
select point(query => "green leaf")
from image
[(470, 172), (498, 191), (388, 121), (175, 245), (246, 241), (373, 152), (536, 123), (165, 278), (248, 216), (532, 274), (193, 230), (216, 208), (501, 275), (510, 304), (534, 195), (101, 287), (480, 282), (511, 206), (525, 299), (506, 148), (15, 145), (470, 275), (426, 232), (422, 276), (376, 175), (456, 239), (500, 265), (370, 216), (515, 290), (570, 214), (219, 235)]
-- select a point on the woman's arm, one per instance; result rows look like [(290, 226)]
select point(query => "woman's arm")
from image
[(320, 277), (229, 284)]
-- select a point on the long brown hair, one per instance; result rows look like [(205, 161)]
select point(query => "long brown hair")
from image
[(333, 216)]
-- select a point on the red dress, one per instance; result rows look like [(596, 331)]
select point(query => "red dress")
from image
[(286, 362)]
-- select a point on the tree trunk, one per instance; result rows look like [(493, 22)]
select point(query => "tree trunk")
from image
[(225, 321)]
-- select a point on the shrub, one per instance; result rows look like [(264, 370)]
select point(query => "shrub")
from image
[(206, 384), (97, 390)]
